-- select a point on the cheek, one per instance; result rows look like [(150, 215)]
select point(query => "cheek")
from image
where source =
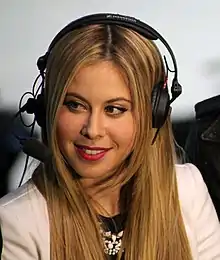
[(124, 132), (66, 129)]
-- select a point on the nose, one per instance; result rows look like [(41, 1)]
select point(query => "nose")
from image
[(94, 127)]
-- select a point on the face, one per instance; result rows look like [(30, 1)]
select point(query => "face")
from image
[(95, 128)]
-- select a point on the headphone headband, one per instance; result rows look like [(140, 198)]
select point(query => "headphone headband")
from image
[(114, 19), (124, 21)]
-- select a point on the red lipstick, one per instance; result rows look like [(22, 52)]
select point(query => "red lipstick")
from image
[(89, 153)]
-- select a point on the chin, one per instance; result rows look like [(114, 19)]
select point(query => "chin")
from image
[(92, 175)]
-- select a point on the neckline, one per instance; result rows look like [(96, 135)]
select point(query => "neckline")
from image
[(114, 217), (114, 224)]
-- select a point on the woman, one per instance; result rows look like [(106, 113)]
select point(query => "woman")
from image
[(108, 192)]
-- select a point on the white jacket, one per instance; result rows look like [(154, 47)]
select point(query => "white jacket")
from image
[(25, 225)]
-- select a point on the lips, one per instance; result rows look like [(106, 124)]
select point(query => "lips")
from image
[(91, 153), (92, 148)]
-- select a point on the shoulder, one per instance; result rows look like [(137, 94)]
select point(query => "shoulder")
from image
[(25, 204), (26, 199), (193, 193), (199, 215), (24, 223), (187, 173), (188, 179)]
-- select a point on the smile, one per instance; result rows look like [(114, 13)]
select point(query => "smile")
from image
[(91, 154)]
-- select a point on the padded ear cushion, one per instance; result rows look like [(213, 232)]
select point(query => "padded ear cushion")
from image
[(160, 105)]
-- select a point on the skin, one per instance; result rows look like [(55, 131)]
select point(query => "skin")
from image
[(97, 112)]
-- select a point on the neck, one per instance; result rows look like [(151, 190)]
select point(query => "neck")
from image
[(107, 204), (105, 200)]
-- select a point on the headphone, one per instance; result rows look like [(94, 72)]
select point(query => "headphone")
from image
[(160, 98)]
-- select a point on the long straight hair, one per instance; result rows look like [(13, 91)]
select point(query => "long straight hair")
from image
[(154, 227)]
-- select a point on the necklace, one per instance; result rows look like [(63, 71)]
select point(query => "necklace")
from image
[(111, 231), (112, 241)]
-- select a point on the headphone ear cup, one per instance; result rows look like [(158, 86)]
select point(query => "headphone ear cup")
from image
[(40, 111), (160, 101)]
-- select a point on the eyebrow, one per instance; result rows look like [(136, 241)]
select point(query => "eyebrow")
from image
[(73, 94)]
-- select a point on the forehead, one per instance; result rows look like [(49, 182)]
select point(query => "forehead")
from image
[(103, 80)]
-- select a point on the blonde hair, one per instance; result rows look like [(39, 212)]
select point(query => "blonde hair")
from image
[(154, 227)]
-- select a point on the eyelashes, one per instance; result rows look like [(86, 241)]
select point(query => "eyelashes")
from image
[(74, 106), (111, 110), (115, 110)]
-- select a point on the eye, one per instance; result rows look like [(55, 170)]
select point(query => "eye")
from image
[(74, 106), (115, 110)]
